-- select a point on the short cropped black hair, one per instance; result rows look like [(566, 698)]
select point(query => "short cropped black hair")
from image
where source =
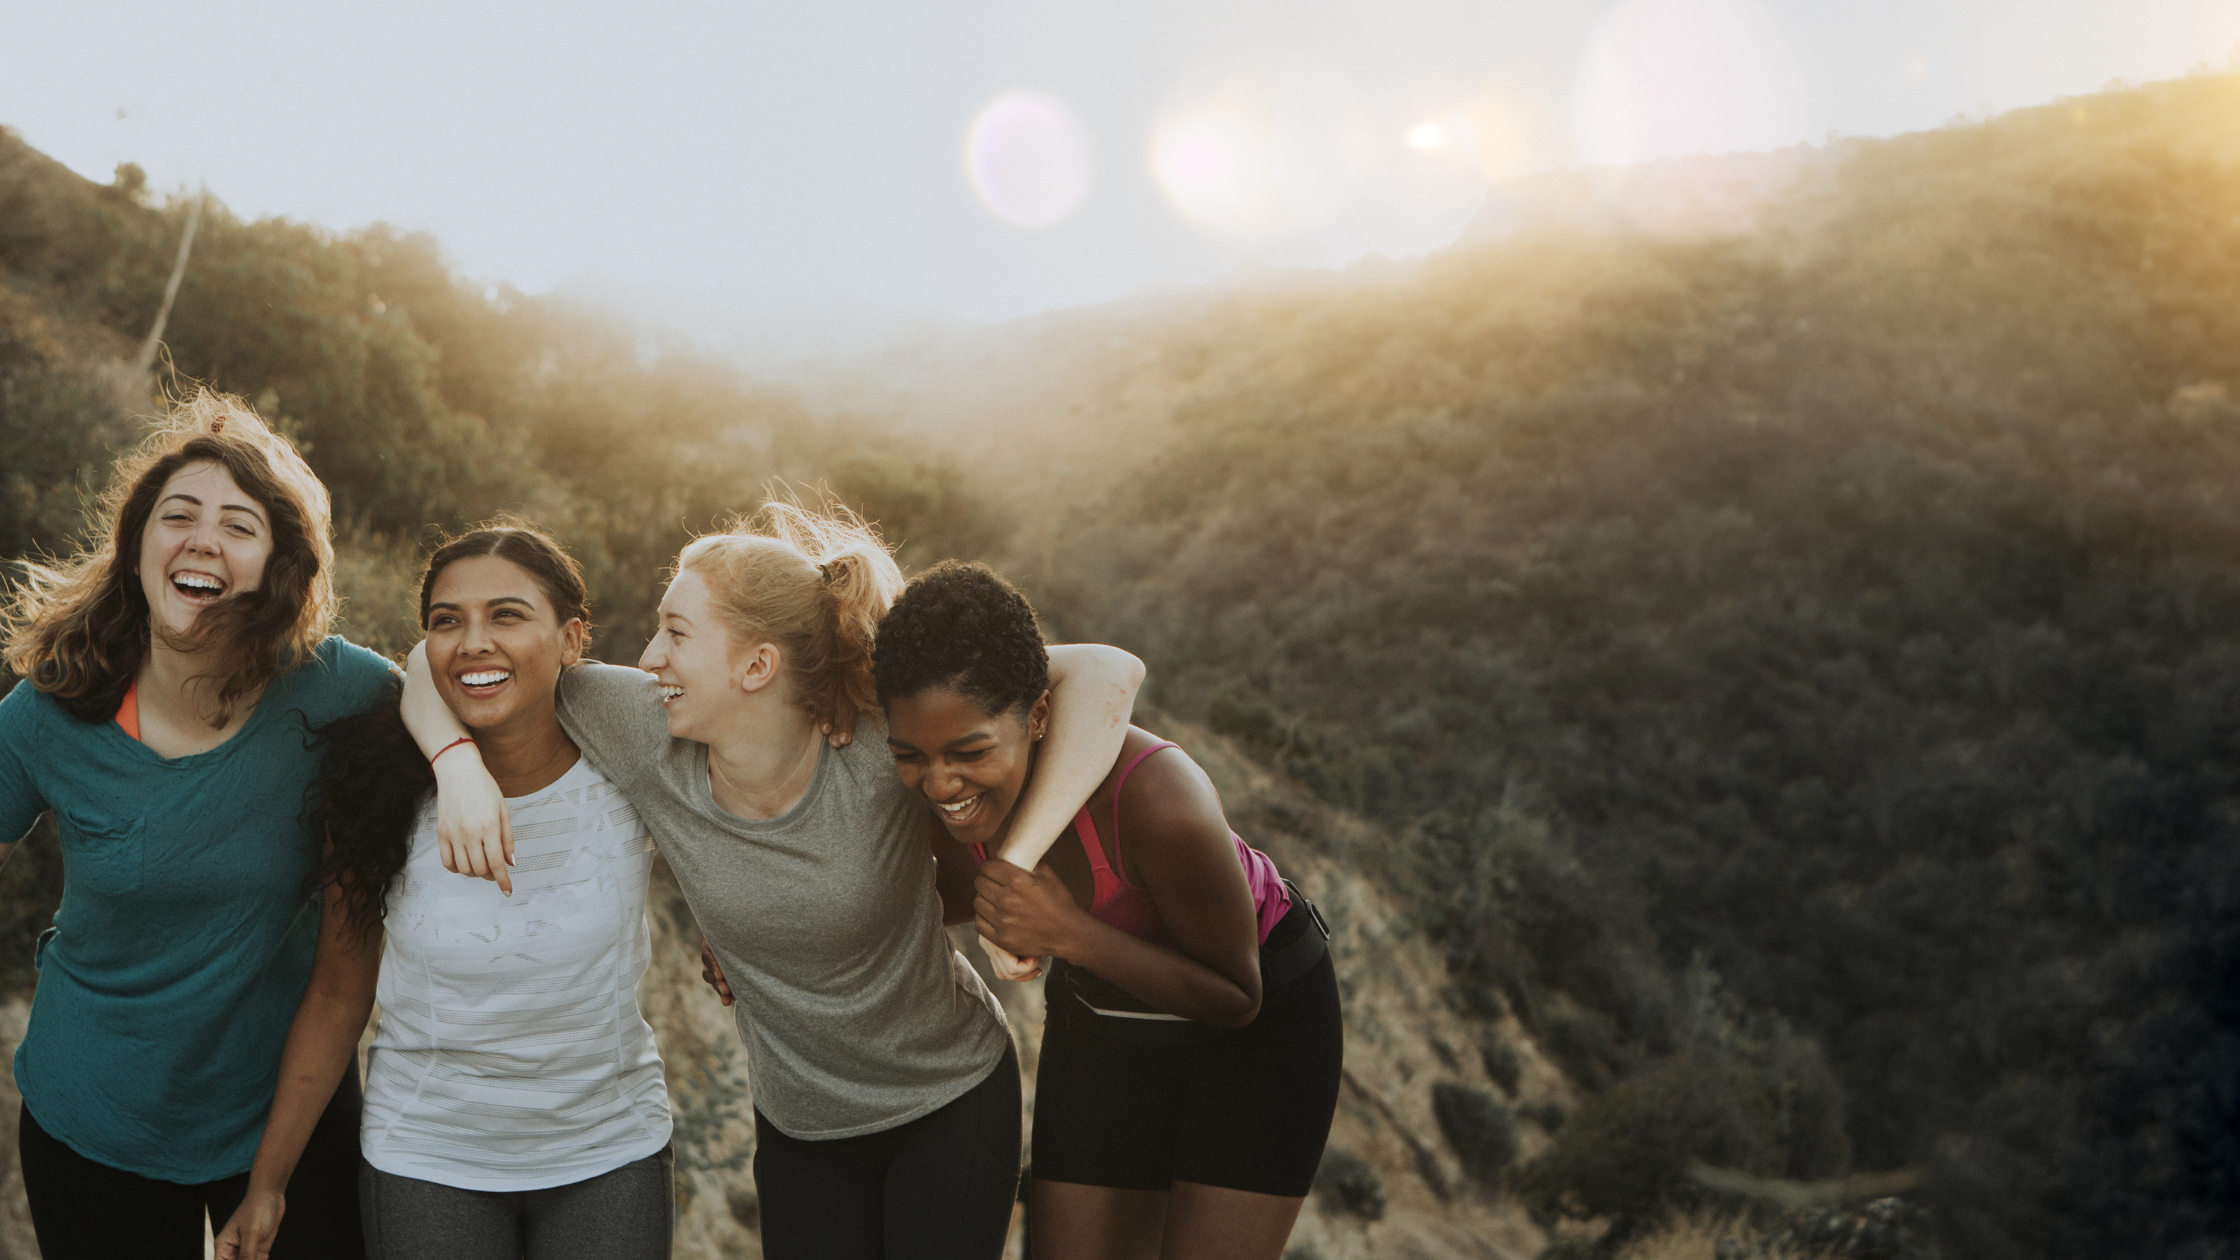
[(960, 625)]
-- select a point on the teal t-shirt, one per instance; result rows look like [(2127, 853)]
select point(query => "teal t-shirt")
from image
[(184, 938)]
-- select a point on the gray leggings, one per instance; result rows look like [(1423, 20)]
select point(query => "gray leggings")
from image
[(626, 1214)]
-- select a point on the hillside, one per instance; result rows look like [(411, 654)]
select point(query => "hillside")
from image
[(1748, 647), (1852, 589)]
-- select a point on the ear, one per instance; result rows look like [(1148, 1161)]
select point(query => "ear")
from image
[(1038, 717), (761, 667), (571, 641)]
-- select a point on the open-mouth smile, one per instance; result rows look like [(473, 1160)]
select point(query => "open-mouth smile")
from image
[(198, 588), (483, 683), (964, 813)]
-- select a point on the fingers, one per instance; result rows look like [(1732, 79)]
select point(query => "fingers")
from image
[(712, 972), (501, 855), (1007, 965), (997, 870)]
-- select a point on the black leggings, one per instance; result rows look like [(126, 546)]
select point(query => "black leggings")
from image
[(85, 1210), (938, 1188)]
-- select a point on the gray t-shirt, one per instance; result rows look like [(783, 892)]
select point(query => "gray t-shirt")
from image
[(857, 1013)]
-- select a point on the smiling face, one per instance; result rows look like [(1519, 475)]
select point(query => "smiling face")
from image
[(205, 541), (495, 644), (698, 664), (969, 764)]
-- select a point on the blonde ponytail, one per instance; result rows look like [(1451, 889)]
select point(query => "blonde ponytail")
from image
[(814, 584)]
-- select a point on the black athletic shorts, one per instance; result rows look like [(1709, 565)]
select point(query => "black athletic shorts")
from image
[(1244, 1110)]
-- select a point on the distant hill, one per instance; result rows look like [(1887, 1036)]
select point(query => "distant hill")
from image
[(1766, 625), (1849, 581)]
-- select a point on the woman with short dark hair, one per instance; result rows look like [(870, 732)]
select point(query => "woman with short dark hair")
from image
[(1191, 1055)]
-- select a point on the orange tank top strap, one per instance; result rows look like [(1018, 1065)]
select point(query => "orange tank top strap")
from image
[(128, 711)]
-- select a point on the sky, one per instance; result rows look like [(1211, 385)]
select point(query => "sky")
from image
[(986, 159)]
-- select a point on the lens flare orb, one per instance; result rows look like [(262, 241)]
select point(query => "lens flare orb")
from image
[(1670, 78), (1027, 159), (1267, 150)]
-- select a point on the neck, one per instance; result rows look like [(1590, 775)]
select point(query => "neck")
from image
[(168, 684), (765, 764), (527, 754)]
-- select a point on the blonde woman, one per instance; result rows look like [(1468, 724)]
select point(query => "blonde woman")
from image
[(170, 674), (886, 1089)]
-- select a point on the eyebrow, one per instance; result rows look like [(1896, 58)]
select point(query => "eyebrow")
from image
[(226, 507), (522, 600), (952, 746)]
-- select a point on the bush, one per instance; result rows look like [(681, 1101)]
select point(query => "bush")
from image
[(1346, 1185), (1584, 1044), (1481, 1131), (1547, 1113), (1503, 1066), (1626, 1154)]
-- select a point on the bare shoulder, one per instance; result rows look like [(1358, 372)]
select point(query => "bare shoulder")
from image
[(1168, 797)]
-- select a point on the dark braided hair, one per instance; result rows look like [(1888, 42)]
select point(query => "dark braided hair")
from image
[(960, 625)]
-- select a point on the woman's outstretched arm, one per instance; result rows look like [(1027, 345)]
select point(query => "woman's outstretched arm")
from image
[(1092, 696), (473, 830), (321, 1041)]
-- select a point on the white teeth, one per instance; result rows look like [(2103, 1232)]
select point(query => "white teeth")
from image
[(958, 806), (487, 678), (669, 692), (198, 582)]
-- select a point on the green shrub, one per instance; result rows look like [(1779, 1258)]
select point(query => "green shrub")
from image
[(1584, 1044), (1346, 1185), (1503, 1066), (1627, 1152), (1547, 1113), (1481, 1131)]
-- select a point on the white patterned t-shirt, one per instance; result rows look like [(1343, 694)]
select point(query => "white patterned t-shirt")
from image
[(511, 1054)]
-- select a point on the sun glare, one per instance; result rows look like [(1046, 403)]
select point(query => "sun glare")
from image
[(1668, 78), (1432, 135), (1264, 151), (1027, 159)]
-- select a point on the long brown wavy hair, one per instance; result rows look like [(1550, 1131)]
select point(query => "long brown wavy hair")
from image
[(79, 630)]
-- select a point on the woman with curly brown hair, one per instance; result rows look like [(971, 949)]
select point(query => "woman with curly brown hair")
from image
[(1192, 1049), (170, 673)]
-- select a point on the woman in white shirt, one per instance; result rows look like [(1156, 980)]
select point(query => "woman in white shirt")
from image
[(514, 1103)]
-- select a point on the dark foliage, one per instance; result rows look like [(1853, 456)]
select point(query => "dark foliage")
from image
[(1547, 1113), (1627, 1152), (1854, 598), (1480, 1130), (1345, 1183), (1502, 1066)]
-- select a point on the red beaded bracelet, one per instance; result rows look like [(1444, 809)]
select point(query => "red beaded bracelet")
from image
[(463, 739)]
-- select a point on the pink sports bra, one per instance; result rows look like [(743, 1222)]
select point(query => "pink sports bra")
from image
[(1128, 906)]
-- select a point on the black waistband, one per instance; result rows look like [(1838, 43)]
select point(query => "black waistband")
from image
[(1309, 941), (1296, 943)]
